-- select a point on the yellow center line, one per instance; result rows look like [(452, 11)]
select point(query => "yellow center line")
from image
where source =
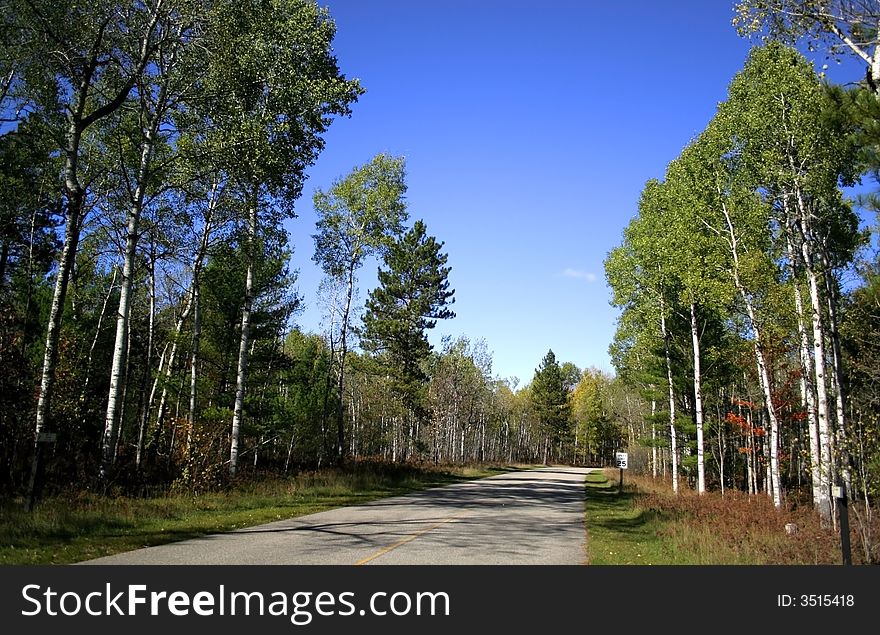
[(409, 538)]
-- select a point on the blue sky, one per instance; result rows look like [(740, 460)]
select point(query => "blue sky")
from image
[(529, 129)]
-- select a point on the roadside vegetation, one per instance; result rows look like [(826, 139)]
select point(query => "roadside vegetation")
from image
[(647, 524), (82, 525)]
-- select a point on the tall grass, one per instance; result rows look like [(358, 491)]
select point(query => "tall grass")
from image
[(710, 529)]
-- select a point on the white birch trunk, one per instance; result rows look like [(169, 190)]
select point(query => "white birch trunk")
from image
[(672, 435), (698, 403), (822, 411), (653, 438), (807, 392), (243, 349), (194, 372), (774, 485), (108, 443), (343, 343), (144, 415)]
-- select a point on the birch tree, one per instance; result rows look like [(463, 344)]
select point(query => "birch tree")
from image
[(796, 160), (81, 62), (276, 86), (640, 276), (358, 217), (160, 89), (697, 263), (849, 27)]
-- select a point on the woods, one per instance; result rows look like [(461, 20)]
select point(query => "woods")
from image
[(150, 157), (153, 165), (742, 282)]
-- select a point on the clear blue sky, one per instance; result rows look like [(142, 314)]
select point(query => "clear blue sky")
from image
[(529, 129)]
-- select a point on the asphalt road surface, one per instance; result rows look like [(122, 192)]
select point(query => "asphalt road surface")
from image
[(528, 517)]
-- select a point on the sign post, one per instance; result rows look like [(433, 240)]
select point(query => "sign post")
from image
[(622, 460), (839, 492), (35, 483)]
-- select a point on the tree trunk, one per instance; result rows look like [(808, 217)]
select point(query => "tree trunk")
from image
[(108, 443), (243, 349), (672, 435), (698, 403), (807, 391), (76, 198), (194, 373), (822, 411), (168, 362), (144, 415), (653, 438), (343, 353), (774, 486)]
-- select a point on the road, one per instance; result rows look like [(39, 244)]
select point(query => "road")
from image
[(524, 518)]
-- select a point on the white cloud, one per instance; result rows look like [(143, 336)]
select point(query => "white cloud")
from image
[(579, 275)]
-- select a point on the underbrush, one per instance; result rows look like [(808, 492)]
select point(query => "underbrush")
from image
[(713, 529)]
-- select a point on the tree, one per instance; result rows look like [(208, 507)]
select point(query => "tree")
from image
[(591, 416), (843, 26), (691, 242), (795, 158), (550, 400), (460, 392), (413, 293), (643, 282), (160, 88), (78, 65), (358, 217), (276, 86)]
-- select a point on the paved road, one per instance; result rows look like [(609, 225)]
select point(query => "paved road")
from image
[(529, 517)]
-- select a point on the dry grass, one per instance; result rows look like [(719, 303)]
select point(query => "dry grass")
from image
[(740, 529)]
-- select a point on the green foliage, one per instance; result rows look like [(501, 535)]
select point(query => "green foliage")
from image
[(271, 88), (413, 294), (595, 423), (842, 27), (360, 215), (549, 398)]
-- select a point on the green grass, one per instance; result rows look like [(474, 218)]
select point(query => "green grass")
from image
[(80, 526), (619, 530)]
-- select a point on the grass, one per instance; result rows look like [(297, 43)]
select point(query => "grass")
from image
[(619, 529), (80, 525), (647, 524)]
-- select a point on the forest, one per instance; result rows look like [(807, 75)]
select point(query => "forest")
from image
[(150, 154), (749, 287)]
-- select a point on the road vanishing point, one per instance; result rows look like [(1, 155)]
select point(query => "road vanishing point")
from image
[(533, 517)]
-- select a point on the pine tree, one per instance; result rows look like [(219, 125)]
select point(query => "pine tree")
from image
[(413, 294), (550, 402)]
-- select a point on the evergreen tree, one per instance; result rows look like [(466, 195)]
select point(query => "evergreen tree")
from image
[(413, 294), (550, 403)]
